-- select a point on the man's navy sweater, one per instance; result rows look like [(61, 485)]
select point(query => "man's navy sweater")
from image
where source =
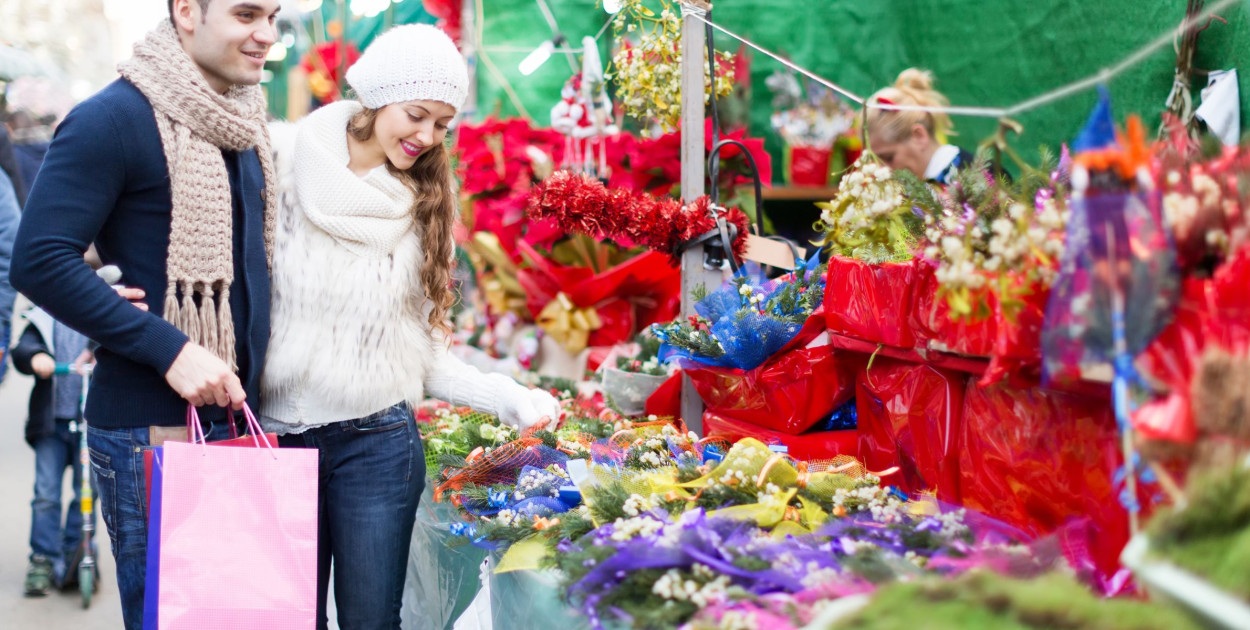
[(105, 180)]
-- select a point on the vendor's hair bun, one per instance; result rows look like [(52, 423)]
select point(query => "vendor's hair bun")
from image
[(912, 87), (915, 79)]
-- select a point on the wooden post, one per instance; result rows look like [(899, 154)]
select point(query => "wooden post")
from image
[(693, 60)]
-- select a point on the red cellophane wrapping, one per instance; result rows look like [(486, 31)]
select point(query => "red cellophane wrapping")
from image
[(807, 446), (665, 402), (1012, 343), (1211, 313), (930, 319), (1230, 323), (628, 297), (869, 301), (1040, 459), (1172, 360), (910, 416), (791, 391)]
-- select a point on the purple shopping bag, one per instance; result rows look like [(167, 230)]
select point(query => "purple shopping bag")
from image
[(152, 586), (235, 537)]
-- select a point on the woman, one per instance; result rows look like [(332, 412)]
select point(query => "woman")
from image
[(915, 140), (361, 289)]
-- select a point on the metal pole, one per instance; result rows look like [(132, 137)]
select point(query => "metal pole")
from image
[(468, 47), (693, 43)]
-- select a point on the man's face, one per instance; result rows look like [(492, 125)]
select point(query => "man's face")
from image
[(228, 39)]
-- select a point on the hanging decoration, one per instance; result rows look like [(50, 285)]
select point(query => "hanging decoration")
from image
[(583, 205), (584, 116), (648, 72)]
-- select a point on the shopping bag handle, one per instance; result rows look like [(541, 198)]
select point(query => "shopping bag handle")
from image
[(196, 430)]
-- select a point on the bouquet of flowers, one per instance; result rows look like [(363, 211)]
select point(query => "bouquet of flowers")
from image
[(755, 524), (630, 382), (980, 236), (810, 126), (870, 218), (750, 353), (992, 253), (742, 323)]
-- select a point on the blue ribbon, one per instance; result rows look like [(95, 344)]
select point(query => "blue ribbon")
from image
[(498, 499), (712, 454)]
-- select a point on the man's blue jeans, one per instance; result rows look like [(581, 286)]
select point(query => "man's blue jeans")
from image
[(117, 460), (372, 472), (53, 454)]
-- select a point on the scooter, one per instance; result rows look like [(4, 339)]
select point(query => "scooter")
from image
[(87, 570)]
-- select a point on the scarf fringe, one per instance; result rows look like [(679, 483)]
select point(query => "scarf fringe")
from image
[(209, 324)]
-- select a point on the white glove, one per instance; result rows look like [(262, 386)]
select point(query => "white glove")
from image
[(524, 408)]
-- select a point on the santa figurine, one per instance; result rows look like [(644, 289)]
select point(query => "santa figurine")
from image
[(584, 116)]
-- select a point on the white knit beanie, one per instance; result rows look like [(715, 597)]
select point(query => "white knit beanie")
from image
[(413, 62)]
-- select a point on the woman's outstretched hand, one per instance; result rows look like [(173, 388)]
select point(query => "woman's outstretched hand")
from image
[(527, 407)]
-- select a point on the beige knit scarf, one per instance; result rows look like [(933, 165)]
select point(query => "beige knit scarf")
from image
[(196, 124)]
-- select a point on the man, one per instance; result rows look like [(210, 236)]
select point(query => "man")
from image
[(167, 170), (31, 138)]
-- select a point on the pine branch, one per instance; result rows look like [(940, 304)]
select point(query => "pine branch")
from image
[(451, 460)]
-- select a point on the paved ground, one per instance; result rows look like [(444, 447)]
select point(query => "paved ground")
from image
[(17, 476)]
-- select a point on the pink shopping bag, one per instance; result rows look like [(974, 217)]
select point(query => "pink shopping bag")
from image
[(237, 537)]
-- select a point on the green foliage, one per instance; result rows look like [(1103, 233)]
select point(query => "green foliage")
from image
[(986, 601), (451, 460), (1211, 535), (608, 502), (549, 439)]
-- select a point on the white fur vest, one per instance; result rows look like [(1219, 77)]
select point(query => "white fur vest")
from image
[(348, 338)]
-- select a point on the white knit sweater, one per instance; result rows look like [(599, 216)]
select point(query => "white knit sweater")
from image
[(347, 341)]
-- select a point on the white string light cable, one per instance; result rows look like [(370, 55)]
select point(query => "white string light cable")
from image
[(1098, 78)]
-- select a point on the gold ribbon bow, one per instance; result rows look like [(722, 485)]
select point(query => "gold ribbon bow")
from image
[(569, 325), (498, 277)]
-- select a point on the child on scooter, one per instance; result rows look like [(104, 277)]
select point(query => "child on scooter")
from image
[(51, 429)]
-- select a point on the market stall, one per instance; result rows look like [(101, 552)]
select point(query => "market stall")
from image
[(1013, 373)]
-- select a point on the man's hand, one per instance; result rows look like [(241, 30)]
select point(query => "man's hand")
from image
[(43, 365), (203, 379), (134, 296)]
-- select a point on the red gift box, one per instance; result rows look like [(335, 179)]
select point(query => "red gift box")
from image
[(806, 447), (869, 302), (791, 391), (910, 416), (1041, 459)]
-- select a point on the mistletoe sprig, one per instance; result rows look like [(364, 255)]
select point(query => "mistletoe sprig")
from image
[(648, 73), (987, 234), (870, 218)]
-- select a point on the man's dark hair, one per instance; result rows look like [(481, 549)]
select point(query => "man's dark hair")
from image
[(203, 8)]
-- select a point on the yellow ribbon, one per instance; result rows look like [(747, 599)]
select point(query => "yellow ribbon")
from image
[(498, 276), (569, 325)]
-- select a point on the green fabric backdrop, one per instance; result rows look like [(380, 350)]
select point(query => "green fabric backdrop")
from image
[(983, 53)]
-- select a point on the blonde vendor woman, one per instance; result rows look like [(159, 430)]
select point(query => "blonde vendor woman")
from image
[(915, 140)]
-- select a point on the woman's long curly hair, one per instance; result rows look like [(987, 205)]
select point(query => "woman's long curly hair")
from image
[(434, 210)]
